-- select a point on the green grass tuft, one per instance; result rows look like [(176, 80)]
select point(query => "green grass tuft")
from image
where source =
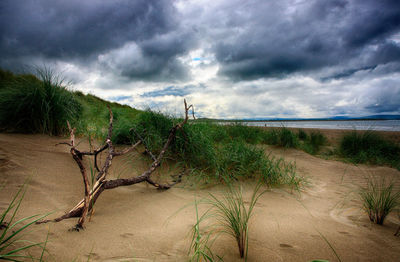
[(379, 199), (287, 138), (302, 134), (39, 104), (233, 215), (239, 131), (312, 144), (239, 160), (369, 147)]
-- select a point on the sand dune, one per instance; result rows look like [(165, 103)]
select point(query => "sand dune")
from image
[(139, 223)]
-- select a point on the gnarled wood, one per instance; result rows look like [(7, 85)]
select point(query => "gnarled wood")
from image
[(91, 194)]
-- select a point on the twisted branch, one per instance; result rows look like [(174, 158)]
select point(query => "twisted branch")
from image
[(87, 203)]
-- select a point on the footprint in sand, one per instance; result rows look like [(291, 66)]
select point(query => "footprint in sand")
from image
[(93, 256), (286, 245), (126, 235)]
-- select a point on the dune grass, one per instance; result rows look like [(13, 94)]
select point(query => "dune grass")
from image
[(248, 134), (202, 239), (233, 216), (12, 247), (302, 134), (287, 138), (36, 104), (215, 153), (379, 199), (227, 214), (312, 143), (369, 147)]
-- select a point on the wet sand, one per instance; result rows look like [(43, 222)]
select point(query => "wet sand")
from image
[(140, 223)]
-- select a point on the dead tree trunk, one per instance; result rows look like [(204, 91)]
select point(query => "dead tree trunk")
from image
[(87, 203)]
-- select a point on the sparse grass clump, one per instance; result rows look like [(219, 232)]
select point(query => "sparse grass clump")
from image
[(277, 172), (202, 239), (233, 215), (312, 144), (317, 139), (287, 138), (379, 199), (369, 147), (227, 214), (33, 104)]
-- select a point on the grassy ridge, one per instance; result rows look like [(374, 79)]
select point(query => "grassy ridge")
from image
[(42, 104)]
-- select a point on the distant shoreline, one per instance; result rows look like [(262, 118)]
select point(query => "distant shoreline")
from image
[(334, 135), (297, 120), (359, 124)]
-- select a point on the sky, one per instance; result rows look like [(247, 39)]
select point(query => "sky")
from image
[(231, 59)]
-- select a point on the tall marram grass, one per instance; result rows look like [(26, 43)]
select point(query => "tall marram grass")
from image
[(239, 131), (196, 147), (379, 199), (36, 104), (283, 137), (369, 147), (234, 215), (227, 214)]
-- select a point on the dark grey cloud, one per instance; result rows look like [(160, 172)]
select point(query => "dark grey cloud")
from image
[(384, 99), (83, 30), (154, 59), (276, 42), (348, 73), (371, 21), (78, 28)]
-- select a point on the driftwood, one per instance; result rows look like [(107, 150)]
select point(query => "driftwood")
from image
[(101, 183)]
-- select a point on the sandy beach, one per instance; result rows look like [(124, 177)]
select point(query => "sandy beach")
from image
[(140, 223)]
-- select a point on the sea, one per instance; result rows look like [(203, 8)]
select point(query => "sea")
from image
[(376, 125)]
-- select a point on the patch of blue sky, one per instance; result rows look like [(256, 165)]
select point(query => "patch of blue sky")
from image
[(119, 98), (168, 91), (198, 58)]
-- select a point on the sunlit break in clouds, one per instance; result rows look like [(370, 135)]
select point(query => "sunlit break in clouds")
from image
[(231, 59)]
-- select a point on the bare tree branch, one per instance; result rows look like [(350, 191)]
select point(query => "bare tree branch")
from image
[(87, 203)]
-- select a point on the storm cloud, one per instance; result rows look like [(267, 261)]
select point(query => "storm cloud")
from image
[(143, 32), (274, 42), (233, 59)]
